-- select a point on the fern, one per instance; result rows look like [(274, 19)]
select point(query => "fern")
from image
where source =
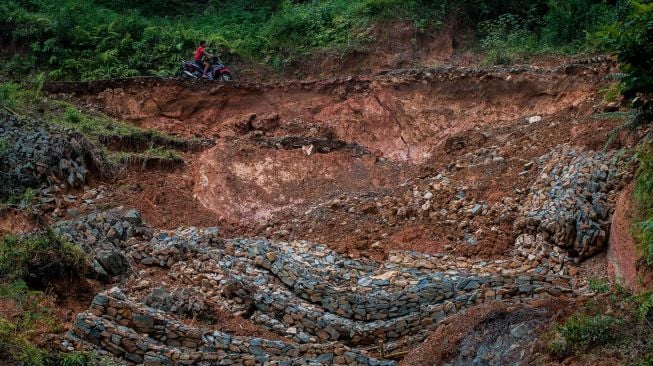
[(646, 305), (644, 197)]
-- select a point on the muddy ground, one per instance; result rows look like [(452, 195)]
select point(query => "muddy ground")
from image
[(443, 162)]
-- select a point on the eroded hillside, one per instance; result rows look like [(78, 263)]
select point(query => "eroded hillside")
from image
[(342, 221)]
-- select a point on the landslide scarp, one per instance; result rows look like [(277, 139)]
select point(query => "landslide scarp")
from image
[(355, 216)]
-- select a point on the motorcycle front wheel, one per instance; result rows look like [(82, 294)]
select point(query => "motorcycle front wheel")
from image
[(187, 74), (226, 77)]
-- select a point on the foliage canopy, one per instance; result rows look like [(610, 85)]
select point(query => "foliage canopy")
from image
[(74, 39)]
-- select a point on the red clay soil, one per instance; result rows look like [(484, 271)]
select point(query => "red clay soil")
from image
[(249, 183), (164, 198), (402, 117), (624, 259), (13, 221), (397, 128)]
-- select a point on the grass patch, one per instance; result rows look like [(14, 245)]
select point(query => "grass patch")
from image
[(613, 325), (40, 259), (75, 359), (117, 142), (153, 155), (598, 285), (580, 332), (100, 128), (26, 315), (97, 127)]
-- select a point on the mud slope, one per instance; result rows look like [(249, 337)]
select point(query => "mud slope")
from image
[(360, 154), (251, 181), (355, 218)]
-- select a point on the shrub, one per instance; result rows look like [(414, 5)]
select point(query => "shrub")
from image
[(74, 359), (8, 95), (643, 229), (581, 332), (598, 286), (631, 39), (15, 333), (75, 39), (72, 115), (40, 259), (507, 39), (568, 22)]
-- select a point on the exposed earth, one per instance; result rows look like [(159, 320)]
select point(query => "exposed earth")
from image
[(414, 217)]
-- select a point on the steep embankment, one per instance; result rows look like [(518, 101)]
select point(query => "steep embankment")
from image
[(431, 193), (401, 115), (409, 115)]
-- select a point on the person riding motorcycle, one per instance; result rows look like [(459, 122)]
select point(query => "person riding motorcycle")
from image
[(203, 58)]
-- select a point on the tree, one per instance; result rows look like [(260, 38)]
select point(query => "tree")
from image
[(631, 40)]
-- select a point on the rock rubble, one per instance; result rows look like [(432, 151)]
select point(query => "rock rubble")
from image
[(300, 290), (34, 155)]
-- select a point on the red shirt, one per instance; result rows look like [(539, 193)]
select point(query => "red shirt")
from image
[(199, 53)]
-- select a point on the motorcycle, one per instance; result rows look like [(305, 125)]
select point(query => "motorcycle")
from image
[(217, 70)]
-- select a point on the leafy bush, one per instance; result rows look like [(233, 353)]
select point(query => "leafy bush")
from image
[(581, 332), (8, 92), (568, 22), (72, 115), (507, 39), (40, 259), (74, 359), (631, 39), (598, 286), (103, 38)]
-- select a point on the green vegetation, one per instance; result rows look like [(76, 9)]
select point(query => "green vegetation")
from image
[(630, 39), (8, 92), (155, 154), (23, 200), (25, 317), (99, 128), (117, 141), (644, 199), (598, 286), (74, 359), (566, 26), (40, 259), (74, 39), (614, 325), (580, 332), (4, 147), (30, 312)]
